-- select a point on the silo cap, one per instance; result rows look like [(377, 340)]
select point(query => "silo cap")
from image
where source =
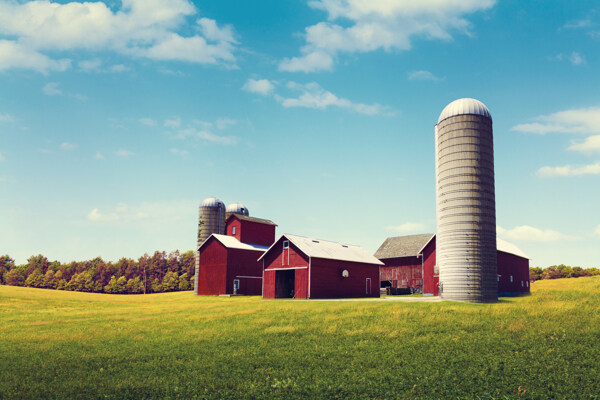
[(238, 208), (212, 202), (464, 107)]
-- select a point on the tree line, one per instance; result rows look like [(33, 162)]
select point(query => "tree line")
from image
[(560, 271), (158, 273)]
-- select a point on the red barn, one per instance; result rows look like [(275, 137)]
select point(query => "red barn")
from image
[(228, 263), (305, 268), (404, 256)]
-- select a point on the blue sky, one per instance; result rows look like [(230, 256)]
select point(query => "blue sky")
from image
[(118, 118)]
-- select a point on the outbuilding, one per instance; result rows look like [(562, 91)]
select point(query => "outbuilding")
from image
[(306, 268), (410, 264)]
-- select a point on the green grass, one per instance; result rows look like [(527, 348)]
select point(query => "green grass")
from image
[(76, 345)]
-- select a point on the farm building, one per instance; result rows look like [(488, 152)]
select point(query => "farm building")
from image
[(228, 263), (410, 263), (306, 268)]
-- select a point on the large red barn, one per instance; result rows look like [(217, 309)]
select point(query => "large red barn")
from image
[(228, 264), (410, 263), (306, 268)]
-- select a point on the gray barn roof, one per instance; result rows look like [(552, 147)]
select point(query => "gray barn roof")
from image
[(253, 219), (403, 246)]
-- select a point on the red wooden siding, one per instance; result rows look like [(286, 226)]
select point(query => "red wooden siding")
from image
[(430, 277), (403, 272), (212, 270), (251, 231), (242, 265), (292, 259), (517, 267), (269, 284), (326, 279)]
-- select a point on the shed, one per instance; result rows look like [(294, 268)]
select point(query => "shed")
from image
[(403, 256), (307, 268), (228, 266)]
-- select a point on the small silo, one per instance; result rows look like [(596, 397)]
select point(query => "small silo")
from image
[(236, 208), (211, 220), (465, 203)]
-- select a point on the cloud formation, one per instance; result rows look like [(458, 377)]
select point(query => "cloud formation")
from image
[(259, 86), (589, 145), (202, 130), (363, 26), (139, 28), (580, 121), (528, 233), (569, 170), (423, 76), (407, 227)]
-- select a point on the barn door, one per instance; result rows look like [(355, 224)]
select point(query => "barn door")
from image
[(368, 287)]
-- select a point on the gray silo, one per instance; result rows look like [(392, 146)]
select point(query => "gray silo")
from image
[(465, 203), (236, 208), (211, 220)]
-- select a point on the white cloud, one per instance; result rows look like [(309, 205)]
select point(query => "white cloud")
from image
[(147, 121), (205, 132), (589, 145), (178, 152), (314, 96), (224, 123), (378, 24), (173, 123), (68, 146), (6, 118), (569, 170), (2, 158), (576, 59), (124, 153), (407, 227), (98, 156), (211, 137), (260, 86), (597, 231), (90, 65), (16, 55), (121, 213), (139, 28), (118, 68), (528, 233), (51, 89), (423, 76), (583, 120)]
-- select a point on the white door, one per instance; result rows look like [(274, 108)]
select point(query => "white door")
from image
[(368, 287)]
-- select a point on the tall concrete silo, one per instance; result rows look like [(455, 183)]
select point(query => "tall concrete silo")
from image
[(211, 220), (465, 203), (236, 208)]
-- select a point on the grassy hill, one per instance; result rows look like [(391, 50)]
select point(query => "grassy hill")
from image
[(57, 344)]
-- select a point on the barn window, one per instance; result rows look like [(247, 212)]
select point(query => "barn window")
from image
[(511, 278), (233, 230), (527, 283), (522, 284), (498, 277), (286, 244)]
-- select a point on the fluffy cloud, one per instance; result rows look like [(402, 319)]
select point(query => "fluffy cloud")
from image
[(528, 233), (203, 130), (569, 170), (589, 145), (142, 28), (378, 24), (260, 86), (124, 153), (407, 227), (68, 146), (423, 76), (312, 95), (583, 120), (51, 89), (2, 158), (121, 213), (147, 121), (6, 118)]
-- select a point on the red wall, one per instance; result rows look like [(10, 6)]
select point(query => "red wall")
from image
[(326, 279), (518, 267), (212, 270), (250, 231), (291, 258), (430, 278), (402, 272), (242, 265)]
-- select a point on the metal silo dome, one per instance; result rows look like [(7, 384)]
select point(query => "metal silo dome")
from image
[(464, 106), (238, 208), (465, 203), (212, 202)]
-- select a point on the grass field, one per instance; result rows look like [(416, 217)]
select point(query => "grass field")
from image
[(61, 345)]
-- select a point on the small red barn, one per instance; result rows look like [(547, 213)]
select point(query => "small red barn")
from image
[(403, 256), (228, 266), (251, 230), (306, 268)]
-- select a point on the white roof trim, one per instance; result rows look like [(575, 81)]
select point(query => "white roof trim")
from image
[(232, 243), (329, 250)]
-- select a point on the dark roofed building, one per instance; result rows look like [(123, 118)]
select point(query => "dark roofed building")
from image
[(251, 230)]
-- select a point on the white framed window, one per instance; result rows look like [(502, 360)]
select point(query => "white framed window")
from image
[(233, 230), (286, 244), (236, 286), (511, 278), (522, 284), (527, 283), (498, 278)]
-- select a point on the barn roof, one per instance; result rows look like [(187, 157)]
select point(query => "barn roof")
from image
[(329, 250), (412, 245), (252, 219), (232, 243), (403, 246)]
